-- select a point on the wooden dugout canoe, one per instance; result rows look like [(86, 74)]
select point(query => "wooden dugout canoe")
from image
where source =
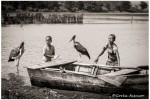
[(70, 75)]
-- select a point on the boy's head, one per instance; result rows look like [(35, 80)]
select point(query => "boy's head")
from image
[(111, 38), (48, 40)]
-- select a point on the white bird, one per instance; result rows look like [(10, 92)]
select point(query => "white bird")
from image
[(15, 55)]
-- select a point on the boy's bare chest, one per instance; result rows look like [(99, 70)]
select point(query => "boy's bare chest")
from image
[(110, 49), (49, 48)]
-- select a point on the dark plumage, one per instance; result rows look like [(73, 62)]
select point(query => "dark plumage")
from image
[(15, 52), (81, 49)]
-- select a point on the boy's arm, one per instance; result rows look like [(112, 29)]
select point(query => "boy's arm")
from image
[(44, 52), (53, 50), (101, 53), (118, 57), (117, 54)]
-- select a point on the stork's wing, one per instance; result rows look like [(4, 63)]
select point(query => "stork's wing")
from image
[(13, 53), (81, 49)]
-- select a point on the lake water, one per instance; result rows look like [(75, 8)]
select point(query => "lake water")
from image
[(132, 41)]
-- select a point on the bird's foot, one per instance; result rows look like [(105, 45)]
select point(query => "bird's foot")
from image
[(17, 73)]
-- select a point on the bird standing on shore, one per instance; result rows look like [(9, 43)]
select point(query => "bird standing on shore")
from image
[(15, 55), (81, 49)]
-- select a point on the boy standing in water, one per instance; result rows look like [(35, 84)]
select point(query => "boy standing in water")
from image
[(48, 50), (113, 54)]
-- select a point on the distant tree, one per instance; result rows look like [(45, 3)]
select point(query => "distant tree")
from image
[(126, 5), (32, 4), (15, 4), (70, 5), (42, 4), (117, 5), (29, 9), (93, 6), (143, 5), (53, 5), (99, 5), (80, 5), (23, 5), (108, 6), (136, 7), (3, 8)]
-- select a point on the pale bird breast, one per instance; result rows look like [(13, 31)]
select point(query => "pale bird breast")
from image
[(75, 44), (14, 53)]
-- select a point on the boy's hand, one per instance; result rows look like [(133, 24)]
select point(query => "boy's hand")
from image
[(55, 57)]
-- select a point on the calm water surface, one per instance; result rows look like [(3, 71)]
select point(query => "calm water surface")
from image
[(132, 41)]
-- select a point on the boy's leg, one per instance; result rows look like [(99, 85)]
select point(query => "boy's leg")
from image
[(79, 58)]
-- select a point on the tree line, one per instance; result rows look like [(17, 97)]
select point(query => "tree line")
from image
[(73, 6)]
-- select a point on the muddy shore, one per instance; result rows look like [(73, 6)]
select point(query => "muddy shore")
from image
[(14, 88)]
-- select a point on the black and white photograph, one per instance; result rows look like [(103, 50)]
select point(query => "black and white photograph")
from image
[(75, 49)]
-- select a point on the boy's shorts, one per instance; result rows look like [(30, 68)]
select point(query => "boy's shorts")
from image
[(109, 63)]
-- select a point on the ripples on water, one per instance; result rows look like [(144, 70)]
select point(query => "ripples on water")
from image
[(132, 41)]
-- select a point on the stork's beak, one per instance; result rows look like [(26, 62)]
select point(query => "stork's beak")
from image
[(72, 38), (22, 44)]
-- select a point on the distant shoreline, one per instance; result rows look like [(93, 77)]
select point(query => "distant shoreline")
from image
[(112, 13), (70, 17)]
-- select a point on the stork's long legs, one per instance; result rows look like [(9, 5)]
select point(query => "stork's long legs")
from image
[(17, 65), (79, 58)]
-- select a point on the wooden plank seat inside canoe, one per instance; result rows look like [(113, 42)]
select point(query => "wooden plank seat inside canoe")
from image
[(73, 68), (94, 65)]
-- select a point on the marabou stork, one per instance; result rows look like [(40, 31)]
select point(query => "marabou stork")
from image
[(15, 55), (81, 49)]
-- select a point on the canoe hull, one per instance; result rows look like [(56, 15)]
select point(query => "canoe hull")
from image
[(78, 82), (66, 85)]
